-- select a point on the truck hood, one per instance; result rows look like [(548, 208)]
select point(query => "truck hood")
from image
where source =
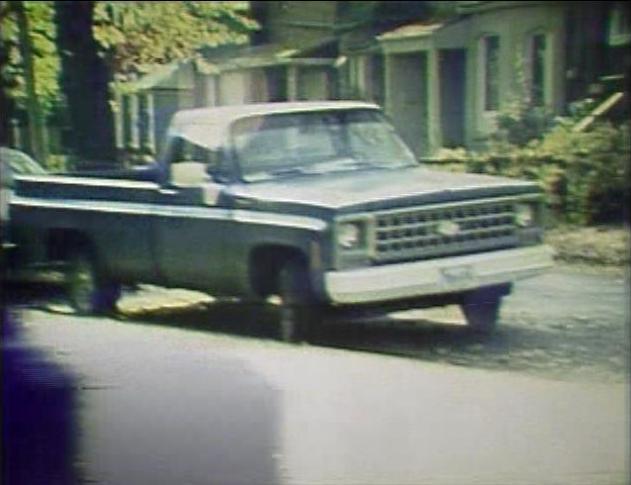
[(377, 189)]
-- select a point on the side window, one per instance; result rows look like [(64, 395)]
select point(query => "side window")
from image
[(490, 50), (191, 164), (537, 66)]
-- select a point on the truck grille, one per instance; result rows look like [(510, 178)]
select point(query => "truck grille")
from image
[(421, 233)]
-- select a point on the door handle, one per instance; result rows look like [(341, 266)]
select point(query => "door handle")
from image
[(169, 191), (243, 202)]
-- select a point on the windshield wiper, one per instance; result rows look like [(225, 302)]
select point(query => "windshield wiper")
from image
[(281, 172), (351, 163), (274, 173), (344, 163)]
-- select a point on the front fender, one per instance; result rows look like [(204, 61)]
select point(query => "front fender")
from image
[(297, 234)]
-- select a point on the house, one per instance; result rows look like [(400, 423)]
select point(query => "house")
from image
[(305, 50), (292, 58), (446, 82), (443, 71), (145, 105)]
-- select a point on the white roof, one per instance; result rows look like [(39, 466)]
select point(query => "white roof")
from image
[(228, 114), (209, 126)]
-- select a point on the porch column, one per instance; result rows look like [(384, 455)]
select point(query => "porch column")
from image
[(292, 83), (134, 118), (16, 134), (387, 84), (118, 120), (151, 122), (433, 96), (211, 83)]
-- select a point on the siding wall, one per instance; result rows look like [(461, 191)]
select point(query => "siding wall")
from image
[(513, 26)]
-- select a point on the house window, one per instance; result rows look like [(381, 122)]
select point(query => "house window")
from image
[(619, 24), (490, 63), (365, 78), (538, 47), (376, 79), (356, 81)]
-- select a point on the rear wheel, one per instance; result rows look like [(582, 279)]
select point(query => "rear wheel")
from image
[(299, 315), (89, 291)]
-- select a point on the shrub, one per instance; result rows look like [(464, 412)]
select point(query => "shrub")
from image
[(520, 124), (584, 175)]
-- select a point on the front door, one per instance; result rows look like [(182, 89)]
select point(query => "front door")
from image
[(452, 96), (192, 227), (408, 103)]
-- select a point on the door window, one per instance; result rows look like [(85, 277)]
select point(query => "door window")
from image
[(192, 164)]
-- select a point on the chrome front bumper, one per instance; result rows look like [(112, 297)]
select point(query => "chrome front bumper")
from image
[(436, 276)]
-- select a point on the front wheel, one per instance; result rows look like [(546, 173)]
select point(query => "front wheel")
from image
[(299, 315), (481, 307), (89, 292)]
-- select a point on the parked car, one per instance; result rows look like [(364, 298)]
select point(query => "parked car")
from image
[(12, 162), (320, 203)]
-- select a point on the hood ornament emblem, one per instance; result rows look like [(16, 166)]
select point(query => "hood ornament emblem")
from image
[(447, 228)]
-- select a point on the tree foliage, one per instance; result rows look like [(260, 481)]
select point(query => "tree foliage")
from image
[(119, 38), (136, 34), (46, 58), (130, 36)]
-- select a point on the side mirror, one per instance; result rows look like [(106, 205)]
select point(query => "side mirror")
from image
[(147, 173), (189, 174)]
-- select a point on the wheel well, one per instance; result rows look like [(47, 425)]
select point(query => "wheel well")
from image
[(265, 263), (60, 243)]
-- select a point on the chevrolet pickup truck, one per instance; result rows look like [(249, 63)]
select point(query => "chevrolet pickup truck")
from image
[(318, 203)]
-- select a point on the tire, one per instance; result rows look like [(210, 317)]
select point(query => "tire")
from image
[(299, 316), (481, 308), (88, 291)]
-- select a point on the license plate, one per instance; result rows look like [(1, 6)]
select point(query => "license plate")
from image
[(457, 274)]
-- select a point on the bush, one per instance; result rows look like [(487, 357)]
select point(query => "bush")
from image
[(520, 124), (583, 174), (593, 171)]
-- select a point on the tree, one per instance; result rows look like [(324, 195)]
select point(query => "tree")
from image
[(79, 46), (35, 119), (85, 80), (45, 61), (6, 101), (101, 39), (134, 35)]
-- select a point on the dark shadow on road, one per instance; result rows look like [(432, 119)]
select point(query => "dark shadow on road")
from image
[(551, 349), (557, 348), (39, 413), (173, 419)]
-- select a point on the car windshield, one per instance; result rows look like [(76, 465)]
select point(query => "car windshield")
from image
[(311, 143)]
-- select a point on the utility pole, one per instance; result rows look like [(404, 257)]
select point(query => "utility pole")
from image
[(35, 118)]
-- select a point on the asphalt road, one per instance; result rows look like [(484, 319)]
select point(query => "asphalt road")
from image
[(187, 396)]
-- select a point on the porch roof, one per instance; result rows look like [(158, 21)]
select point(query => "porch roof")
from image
[(175, 76), (170, 76), (451, 34), (268, 55), (411, 30)]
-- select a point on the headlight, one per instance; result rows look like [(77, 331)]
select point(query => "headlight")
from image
[(349, 235), (524, 215)]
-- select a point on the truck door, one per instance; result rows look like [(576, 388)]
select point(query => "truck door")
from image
[(191, 225)]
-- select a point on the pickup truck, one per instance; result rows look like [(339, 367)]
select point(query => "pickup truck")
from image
[(318, 203)]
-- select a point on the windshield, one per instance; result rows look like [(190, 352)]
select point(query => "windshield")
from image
[(316, 142)]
